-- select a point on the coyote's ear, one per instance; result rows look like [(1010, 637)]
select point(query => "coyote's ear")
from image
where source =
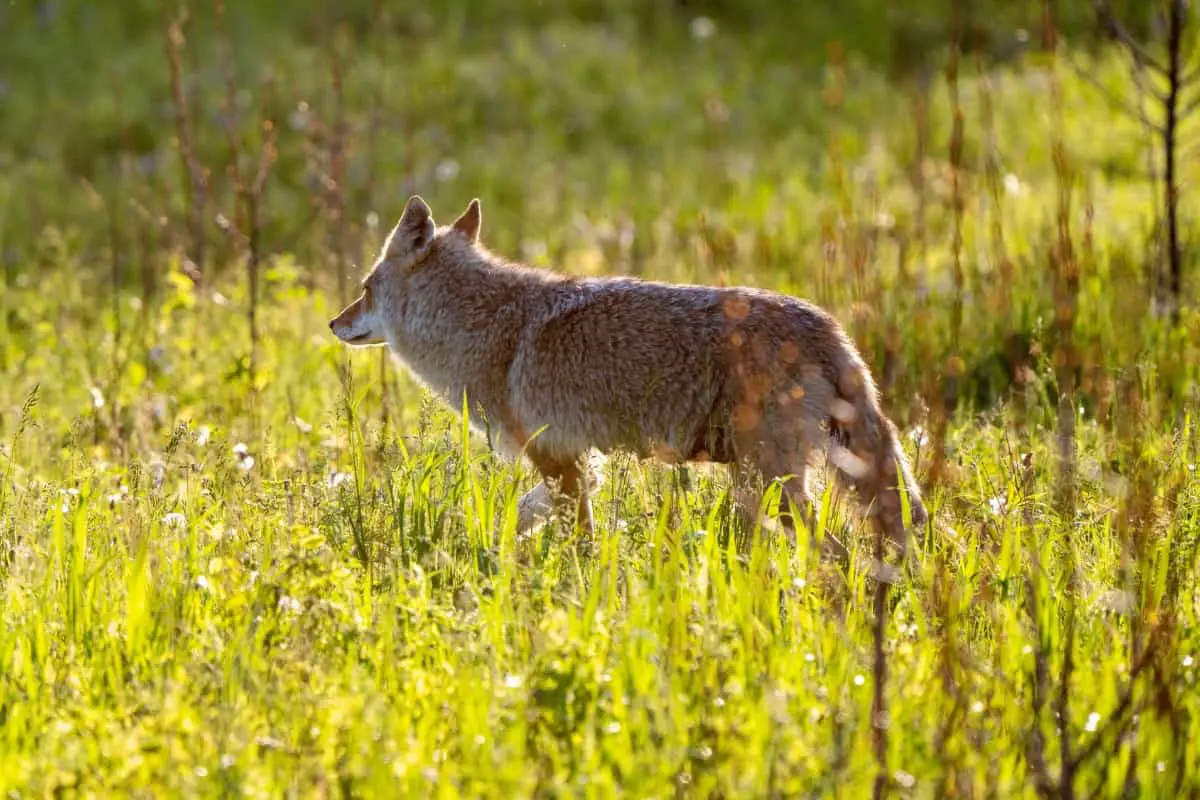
[(414, 231), (468, 222)]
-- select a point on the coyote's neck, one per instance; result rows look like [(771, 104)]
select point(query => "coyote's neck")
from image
[(460, 322)]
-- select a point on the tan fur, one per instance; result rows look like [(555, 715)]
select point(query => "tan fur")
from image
[(752, 378)]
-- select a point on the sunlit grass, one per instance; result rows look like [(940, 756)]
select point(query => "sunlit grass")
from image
[(306, 580)]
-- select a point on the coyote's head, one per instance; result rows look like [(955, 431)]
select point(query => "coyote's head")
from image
[(364, 321)]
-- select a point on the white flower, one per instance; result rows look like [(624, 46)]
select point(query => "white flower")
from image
[(289, 604), (446, 170), (175, 520), (702, 28), (202, 435), (97, 397), (245, 461)]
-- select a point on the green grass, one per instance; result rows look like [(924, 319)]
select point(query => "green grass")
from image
[(282, 570)]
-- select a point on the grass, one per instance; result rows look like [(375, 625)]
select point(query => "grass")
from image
[(236, 564)]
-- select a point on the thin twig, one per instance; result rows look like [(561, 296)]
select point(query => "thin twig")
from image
[(335, 194), (1119, 103), (1170, 151), (1113, 25), (196, 173), (879, 721)]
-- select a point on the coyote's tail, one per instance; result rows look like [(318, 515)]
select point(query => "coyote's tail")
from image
[(868, 455)]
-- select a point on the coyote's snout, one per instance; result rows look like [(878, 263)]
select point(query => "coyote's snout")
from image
[(755, 379), (358, 324)]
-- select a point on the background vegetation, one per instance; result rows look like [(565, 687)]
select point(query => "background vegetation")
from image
[(236, 558)]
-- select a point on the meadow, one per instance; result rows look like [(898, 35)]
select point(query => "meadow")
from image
[(239, 559)]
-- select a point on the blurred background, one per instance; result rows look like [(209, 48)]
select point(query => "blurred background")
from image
[(936, 172)]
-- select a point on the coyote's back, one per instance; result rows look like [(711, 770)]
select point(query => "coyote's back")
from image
[(752, 378)]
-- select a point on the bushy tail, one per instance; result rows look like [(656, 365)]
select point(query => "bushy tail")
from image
[(868, 455)]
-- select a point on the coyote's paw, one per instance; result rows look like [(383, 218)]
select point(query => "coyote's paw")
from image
[(533, 507)]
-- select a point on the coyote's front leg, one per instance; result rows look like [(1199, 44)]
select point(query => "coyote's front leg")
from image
[(562, 478)]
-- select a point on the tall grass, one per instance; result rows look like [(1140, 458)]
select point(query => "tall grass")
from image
[(237, 558)]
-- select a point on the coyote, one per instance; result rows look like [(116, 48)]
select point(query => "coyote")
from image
[(557, 367)]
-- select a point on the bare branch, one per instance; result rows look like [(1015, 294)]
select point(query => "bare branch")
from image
[(266, 158), (1112, 24), (197, 174), (1121, 104)]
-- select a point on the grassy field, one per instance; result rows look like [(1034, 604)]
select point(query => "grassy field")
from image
[(237, 559)]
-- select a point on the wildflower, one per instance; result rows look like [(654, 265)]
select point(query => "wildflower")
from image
[(702, 28), (446, 170), (291, 605), (117, 497), (919, 436), (245, 461)]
